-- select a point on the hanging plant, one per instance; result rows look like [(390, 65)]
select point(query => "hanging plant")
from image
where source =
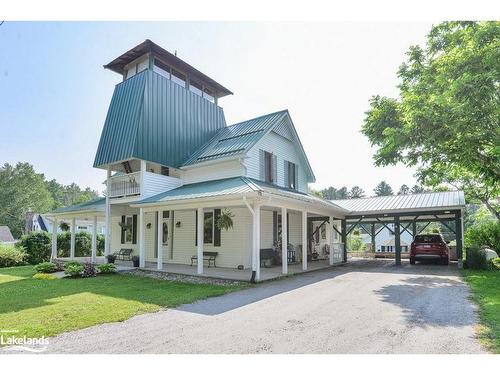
[(125, 226), (225, 220)]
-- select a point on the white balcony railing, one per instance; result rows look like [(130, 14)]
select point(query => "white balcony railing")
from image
[(129, 185), (125, 185)]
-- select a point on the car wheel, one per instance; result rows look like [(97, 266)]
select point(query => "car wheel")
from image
[(412, 260)]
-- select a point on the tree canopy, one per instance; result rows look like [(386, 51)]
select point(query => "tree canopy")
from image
[(382, 189), (446, 121), (22, 189)]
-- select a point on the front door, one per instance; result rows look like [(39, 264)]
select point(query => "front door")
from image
[(165, 235)]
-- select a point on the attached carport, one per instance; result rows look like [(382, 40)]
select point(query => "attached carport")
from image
[(405, 211)]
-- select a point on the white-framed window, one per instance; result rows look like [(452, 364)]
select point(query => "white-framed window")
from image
[(129, 222)]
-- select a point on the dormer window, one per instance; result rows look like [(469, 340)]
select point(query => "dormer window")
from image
[(290, 175)]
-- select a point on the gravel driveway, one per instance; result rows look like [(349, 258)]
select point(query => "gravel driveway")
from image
[(363, 307)]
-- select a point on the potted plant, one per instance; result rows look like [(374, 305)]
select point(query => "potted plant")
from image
[(225, 220), (135, 260), (111, 258)]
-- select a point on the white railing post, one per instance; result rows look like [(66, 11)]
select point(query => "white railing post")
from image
[(304, 240), (199, 240), (159, 244), (53, 254), (73, 237), (94, 241), (256, 241), (107, 239), (142, 239)]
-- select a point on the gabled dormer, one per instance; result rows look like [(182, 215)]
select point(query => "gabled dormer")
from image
[(163, 111)]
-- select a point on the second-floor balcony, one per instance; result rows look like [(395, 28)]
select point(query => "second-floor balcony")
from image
[(141, 184)]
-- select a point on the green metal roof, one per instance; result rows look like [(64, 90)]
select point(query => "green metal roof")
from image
[(93, 205), (236, 139), (152, 118), (230, 186)]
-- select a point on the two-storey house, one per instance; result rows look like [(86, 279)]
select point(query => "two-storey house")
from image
[(174, 169)]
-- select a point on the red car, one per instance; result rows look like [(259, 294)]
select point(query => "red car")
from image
[(429, 246)]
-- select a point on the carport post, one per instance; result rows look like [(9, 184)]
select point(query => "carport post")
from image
[(459, 235), (329, 234), (343, 231), (397, 240), (373, 235), (414, 229)]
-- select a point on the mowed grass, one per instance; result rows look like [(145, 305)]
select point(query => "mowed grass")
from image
[(48, 307), (485, 286)]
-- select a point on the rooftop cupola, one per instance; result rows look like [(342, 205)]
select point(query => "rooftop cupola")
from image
[(162, 111), (149, 55)]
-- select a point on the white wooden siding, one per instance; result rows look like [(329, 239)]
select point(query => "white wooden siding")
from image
[(284, 150), (156, 183), (266, 229), (217, 171), (235, 246)]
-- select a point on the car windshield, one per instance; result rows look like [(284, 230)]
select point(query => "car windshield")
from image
[(428, 238)]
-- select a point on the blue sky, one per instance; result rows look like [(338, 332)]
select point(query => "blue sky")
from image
[(54, 92)]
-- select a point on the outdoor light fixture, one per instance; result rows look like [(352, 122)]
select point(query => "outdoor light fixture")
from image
[(178, 224), (148, 225)]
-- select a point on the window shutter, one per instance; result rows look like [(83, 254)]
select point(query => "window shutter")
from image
[(196, 228), (123, 230), (275, 227), (296, 182), (216, 230), (262, 165), (134, 229), (275, 169), (287, 182)]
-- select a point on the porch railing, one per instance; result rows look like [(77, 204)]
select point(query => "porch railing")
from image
[(125, 185)]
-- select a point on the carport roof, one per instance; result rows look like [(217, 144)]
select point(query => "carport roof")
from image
[(402, 203)]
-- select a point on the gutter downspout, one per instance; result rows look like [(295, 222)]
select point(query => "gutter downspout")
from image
[(252, 279)]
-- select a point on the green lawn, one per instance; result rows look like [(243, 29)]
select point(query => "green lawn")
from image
[(48, 307), (486, 290)]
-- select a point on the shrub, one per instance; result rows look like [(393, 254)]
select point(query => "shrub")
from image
[(37, 246), (59, 264), (46, 267), (73, 269), (89, 270), (11, 256), (476, 259), (44, 276), (495, 264), (106, 268), (484, 234)]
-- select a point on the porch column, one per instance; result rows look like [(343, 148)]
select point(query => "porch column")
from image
[(329, 235), (284, 241), (142, 239), (53, 254), (199, 241), (304, 240), (256, 241), (159, 243), (107, 240), (73, 236), (94, 240)]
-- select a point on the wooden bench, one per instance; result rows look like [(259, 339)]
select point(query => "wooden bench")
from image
[(124, 254), (208, 256)]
